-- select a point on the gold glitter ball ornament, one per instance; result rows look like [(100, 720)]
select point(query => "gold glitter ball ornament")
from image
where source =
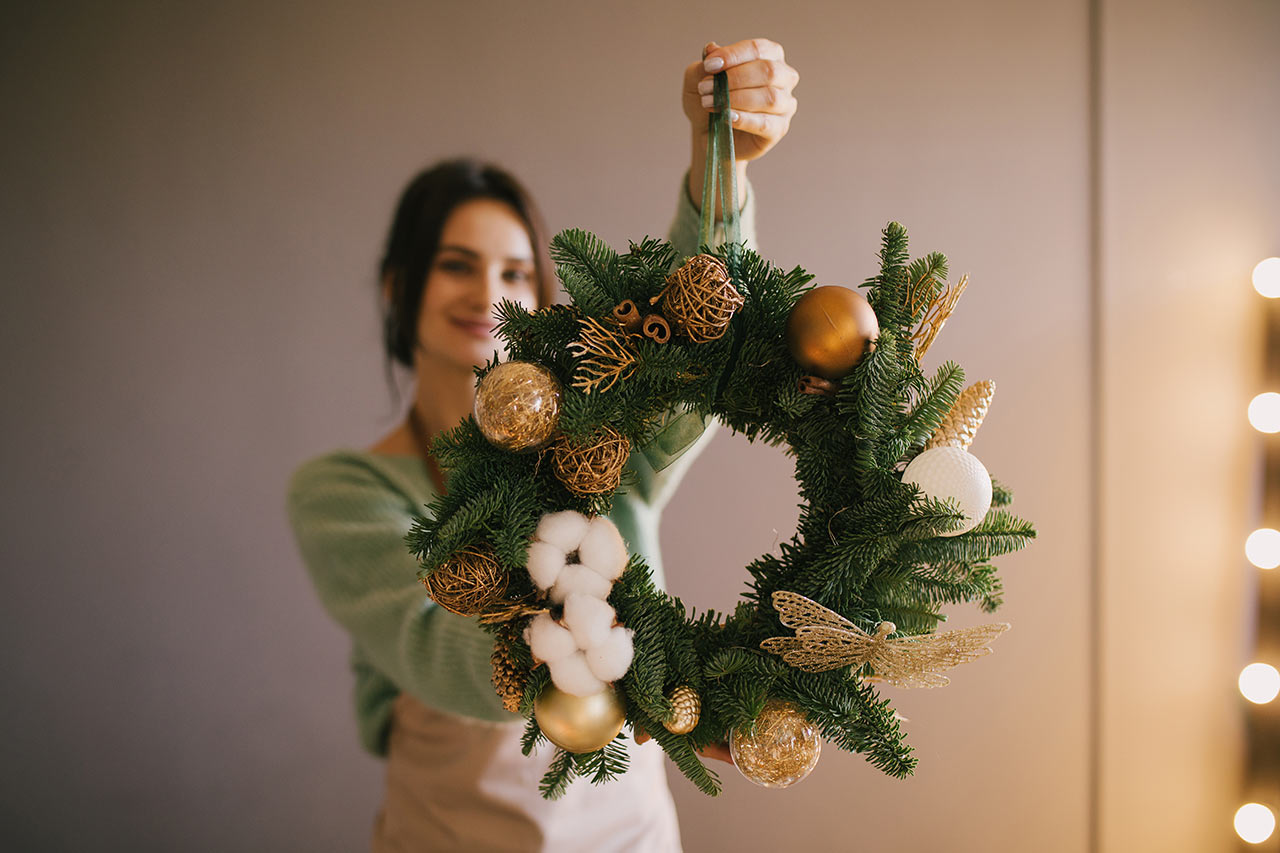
[(780, 749), (828, 329), (518, 406), (686, 710), (579, 723)]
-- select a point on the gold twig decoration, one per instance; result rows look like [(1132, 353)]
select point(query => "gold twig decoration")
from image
[(700, 298), (468, 582), (960, 426), (936, 316), (593, 466), (825, 640), (606, 357)]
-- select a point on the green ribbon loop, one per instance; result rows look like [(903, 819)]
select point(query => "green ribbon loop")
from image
[(720, 173)]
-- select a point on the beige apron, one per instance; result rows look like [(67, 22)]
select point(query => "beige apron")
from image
[(455, 783)]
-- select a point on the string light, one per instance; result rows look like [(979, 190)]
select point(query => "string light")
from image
[(1259, 683), (1266, 278), (1255, 822), (1263, 548), (1264, 412)]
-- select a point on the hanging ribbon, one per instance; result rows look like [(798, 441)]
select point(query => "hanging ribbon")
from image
[(720, 173)]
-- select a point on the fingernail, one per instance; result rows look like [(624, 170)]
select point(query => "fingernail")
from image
[(733, 115), (706, 87), (708, 100), (713, 64)]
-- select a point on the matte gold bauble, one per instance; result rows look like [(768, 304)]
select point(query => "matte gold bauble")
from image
[(780, 749), (518, 405), (579, 723), (829, 328)]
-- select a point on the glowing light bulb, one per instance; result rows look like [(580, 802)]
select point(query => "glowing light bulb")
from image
[(1255, 822), (1264, 412), (1263, 548), (1266, 278), (1260, 683)]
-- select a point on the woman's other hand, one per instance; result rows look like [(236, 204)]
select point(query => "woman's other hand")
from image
[(761, 101), (718, 751)]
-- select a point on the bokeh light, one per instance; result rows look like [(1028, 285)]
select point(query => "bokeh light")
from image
[(1263, 548), (1266, 278), (1255, 822), (1259, 683), (1264, 412)]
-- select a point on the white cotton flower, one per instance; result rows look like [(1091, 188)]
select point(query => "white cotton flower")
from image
[(610, 660), (575, 579), (545, 562), (563, 530), (572, 675), (588, 619), (603, 549), (548, 640)]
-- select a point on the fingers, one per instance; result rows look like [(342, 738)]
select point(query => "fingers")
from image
[(760, 72), (719, 58), (762, 100), (769, 127)]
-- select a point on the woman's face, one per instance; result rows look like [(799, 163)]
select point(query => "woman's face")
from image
[(485, 256)]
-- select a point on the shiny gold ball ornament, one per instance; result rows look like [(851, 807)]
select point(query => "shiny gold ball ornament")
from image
[(780, 749), (579, 723), (828, 329), (686, 710), (700, 299), (518, 405)]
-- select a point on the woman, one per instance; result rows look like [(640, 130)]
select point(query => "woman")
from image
[(464, 237)]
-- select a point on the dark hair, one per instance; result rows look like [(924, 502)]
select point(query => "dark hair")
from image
[(420, 216)]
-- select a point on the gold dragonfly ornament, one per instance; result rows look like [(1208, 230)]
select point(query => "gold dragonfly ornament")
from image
[(825, 640)]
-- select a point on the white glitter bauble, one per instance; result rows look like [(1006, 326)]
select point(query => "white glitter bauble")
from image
[(951, 473)]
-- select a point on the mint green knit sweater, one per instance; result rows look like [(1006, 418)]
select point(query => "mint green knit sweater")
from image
[(350, 511)]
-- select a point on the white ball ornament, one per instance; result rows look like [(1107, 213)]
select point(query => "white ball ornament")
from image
[(950, 473)]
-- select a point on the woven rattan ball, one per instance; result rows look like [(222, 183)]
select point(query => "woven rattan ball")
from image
[(593, 466), (468, 582), (700, 300)]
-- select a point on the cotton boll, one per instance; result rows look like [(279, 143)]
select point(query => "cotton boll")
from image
[(563, 529), (603, 549), (545, 563), (573, 676), (548, 640), (610, 660), (588, 619), (579, 580)]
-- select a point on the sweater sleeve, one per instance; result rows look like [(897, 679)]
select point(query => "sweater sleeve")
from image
[(350, 522)]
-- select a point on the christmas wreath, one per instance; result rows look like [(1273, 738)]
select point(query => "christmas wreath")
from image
[(897, 517)]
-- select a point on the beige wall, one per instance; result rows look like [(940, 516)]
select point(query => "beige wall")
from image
[(193, 206)]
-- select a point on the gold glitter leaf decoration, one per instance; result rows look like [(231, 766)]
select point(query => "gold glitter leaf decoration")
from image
[(607, 359), (825, 640)]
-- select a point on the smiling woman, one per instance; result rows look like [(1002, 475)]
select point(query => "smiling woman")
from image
[(466, 236)]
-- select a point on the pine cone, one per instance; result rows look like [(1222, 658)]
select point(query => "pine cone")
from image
[(686, 709), (508, 678)]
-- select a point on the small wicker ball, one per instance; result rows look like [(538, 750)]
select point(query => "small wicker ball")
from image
[(780, 750), (700, 298), (828, 329), (518, 405), (686, 710), (594, 466), (468, 582)]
